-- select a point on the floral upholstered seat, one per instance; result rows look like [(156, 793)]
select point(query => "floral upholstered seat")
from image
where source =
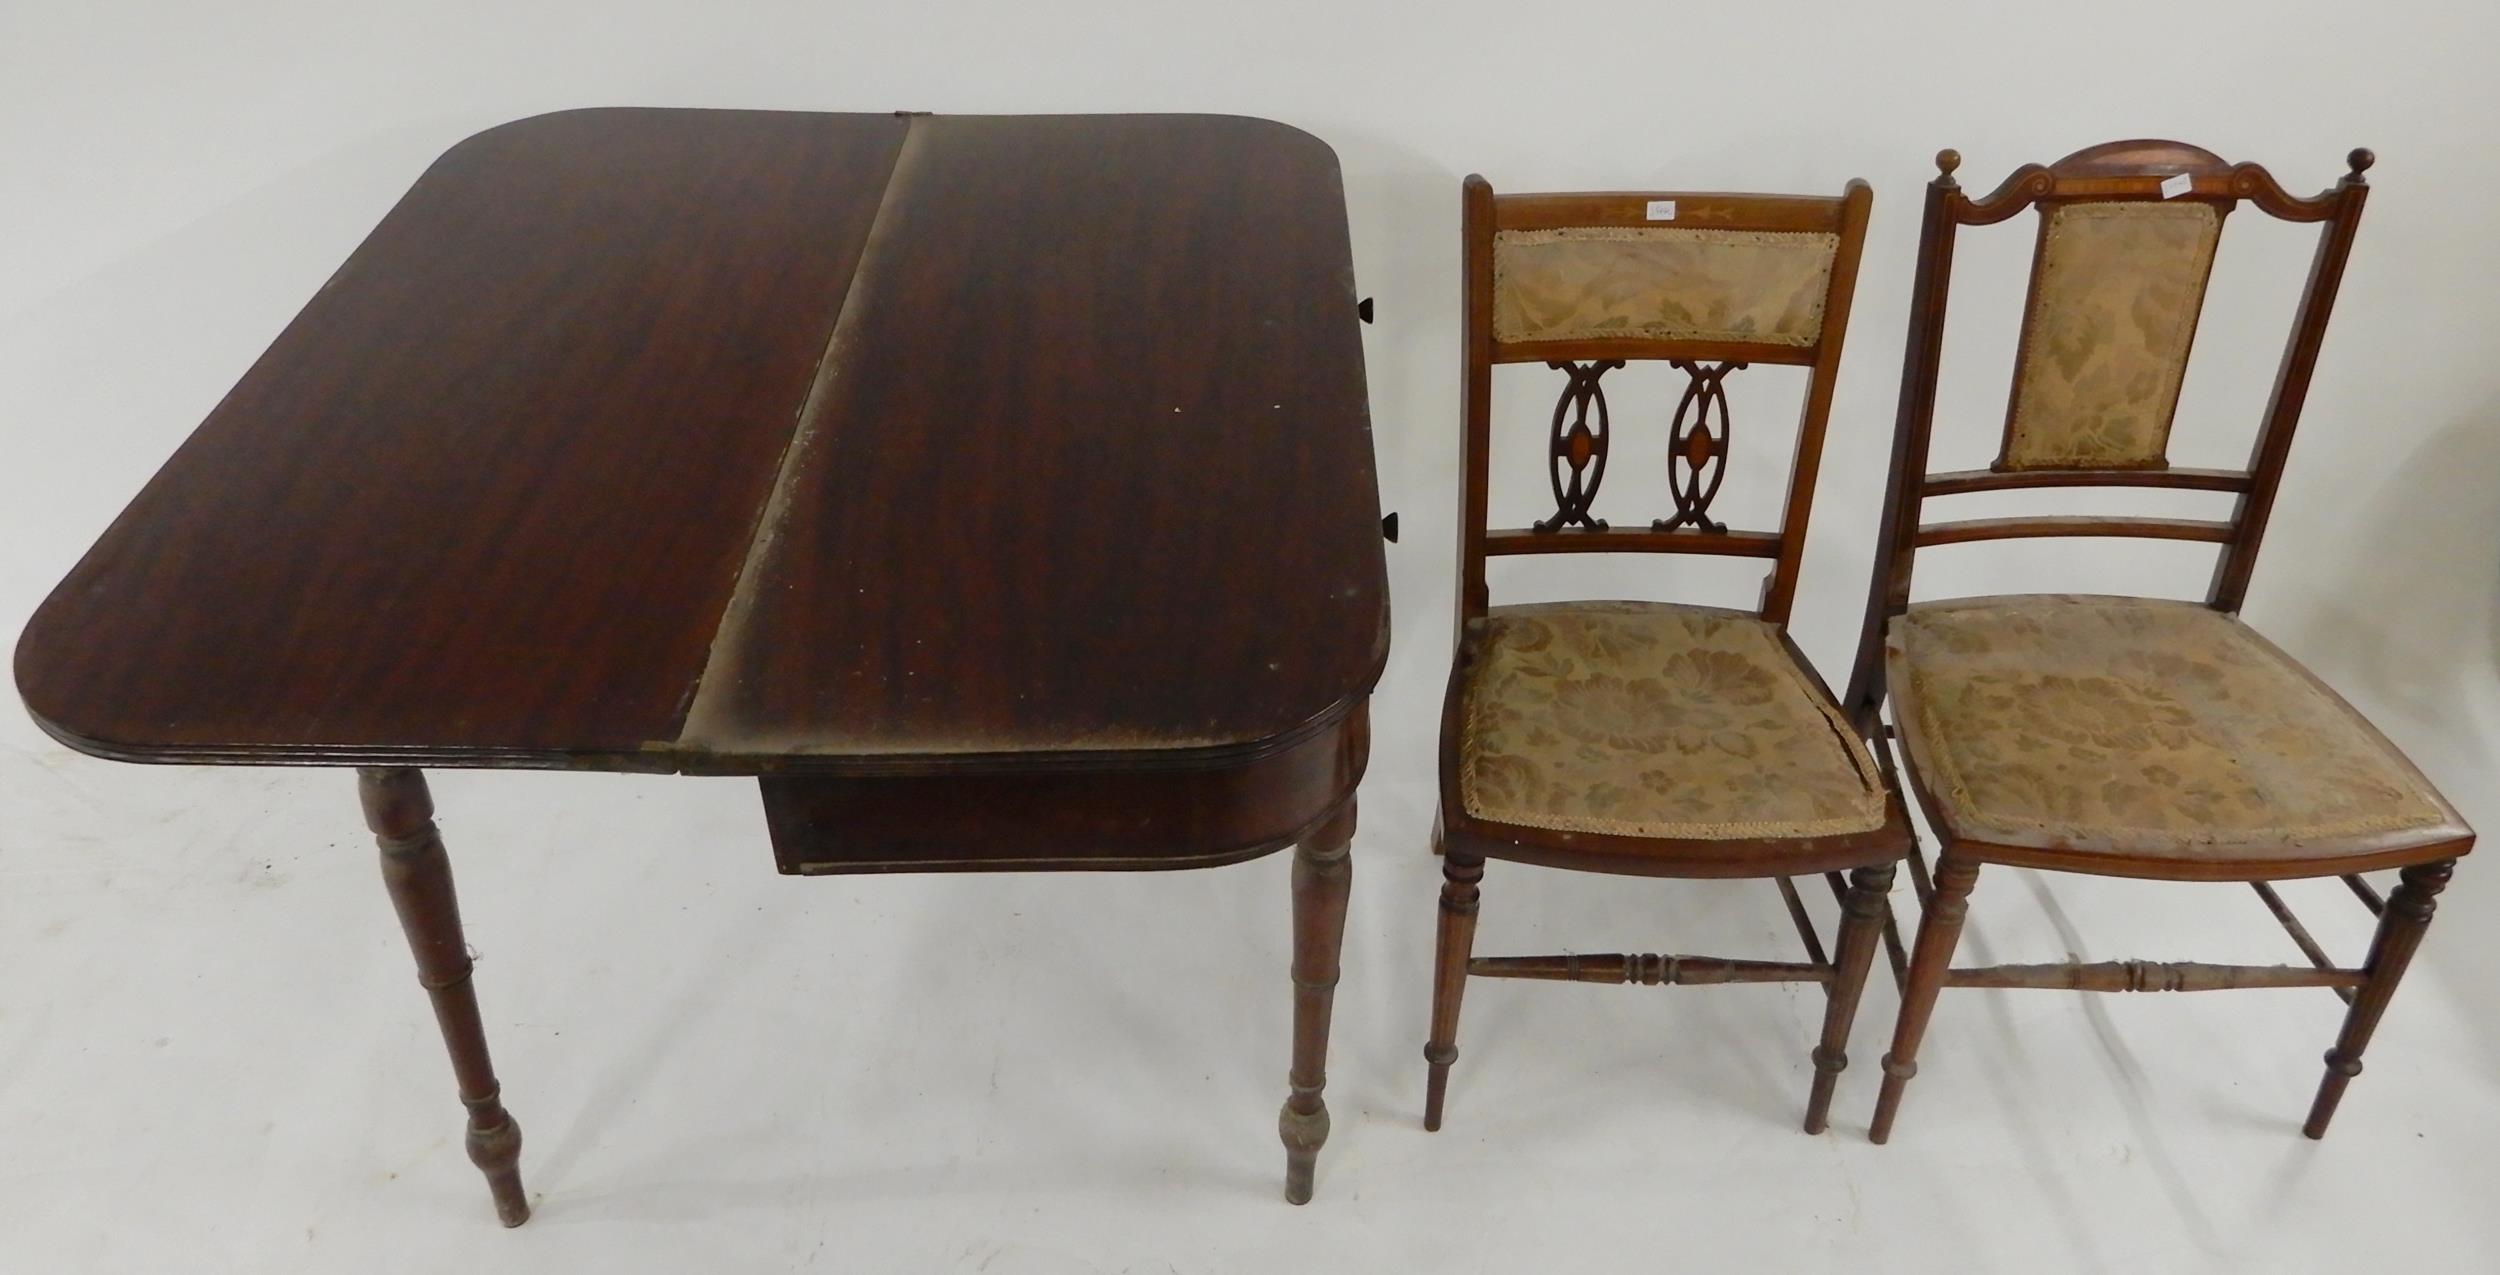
[(2127, 736), (1645, 738), (2139, 725), (1656, 720)]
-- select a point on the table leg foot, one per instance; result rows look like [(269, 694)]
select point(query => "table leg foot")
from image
[(417, 871), (1323, 873)]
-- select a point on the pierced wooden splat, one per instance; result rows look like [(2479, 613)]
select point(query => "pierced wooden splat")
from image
[(1697, 449), (1577, 453)]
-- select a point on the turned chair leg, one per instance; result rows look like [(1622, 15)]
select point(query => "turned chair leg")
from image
[(1460, 872), (2400, 929), (1863, 915), (1939, 930), (417, 872), (1323, 872)]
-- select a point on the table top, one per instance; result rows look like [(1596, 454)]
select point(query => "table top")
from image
[(753, 442)]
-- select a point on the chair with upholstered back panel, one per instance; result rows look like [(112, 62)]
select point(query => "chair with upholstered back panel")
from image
[(1649, 738), (2125, 736)]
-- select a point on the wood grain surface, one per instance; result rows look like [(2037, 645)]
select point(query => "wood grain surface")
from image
[(570, 447)]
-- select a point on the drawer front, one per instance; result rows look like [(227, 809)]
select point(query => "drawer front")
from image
[(1121, 820)]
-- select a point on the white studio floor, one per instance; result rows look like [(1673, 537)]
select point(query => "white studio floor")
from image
[(213, 1057)]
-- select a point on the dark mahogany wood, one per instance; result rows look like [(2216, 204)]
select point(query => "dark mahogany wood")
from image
[(1088, 467), (2124, 171), (1120, 818), (483, 501), (1323, 873), (1087, 353), (1699, 448), (1000, 490), (417, 871)]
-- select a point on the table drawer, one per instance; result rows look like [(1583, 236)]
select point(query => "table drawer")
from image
[(1112, 819)]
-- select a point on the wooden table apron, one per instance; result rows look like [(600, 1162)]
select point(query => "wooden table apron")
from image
[(998, 490)]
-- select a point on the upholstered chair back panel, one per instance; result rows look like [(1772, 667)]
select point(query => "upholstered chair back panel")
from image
[(2112, 311), (1661, 284)]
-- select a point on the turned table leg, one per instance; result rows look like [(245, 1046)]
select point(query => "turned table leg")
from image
[(418, 874), (1323, 871)]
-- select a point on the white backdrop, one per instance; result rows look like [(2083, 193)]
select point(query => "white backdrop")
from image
[(209, 1050)]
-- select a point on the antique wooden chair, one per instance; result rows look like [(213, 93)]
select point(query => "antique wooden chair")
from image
[(1648, 738), (2125, 736)]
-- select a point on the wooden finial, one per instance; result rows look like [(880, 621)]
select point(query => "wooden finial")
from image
[(1947, 160), (2361, 159)]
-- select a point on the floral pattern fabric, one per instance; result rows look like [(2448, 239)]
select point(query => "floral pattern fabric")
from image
[(1654, 720), (2043, 719), (1658, 284), (2106, 342)]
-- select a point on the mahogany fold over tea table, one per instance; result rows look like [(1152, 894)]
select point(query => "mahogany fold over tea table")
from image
[(998, 490)]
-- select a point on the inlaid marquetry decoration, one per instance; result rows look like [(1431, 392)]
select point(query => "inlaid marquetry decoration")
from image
[(1577, 453), (1582, 433), (1697, 455)]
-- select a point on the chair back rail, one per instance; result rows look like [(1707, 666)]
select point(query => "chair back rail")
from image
[(1710, 283), (2126, 228)]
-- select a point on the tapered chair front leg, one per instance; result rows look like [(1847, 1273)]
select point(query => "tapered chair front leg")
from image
[(1939, 931), (1863, 915), (1323, 873), (1460, 873), (417, 872), (2401, 925)]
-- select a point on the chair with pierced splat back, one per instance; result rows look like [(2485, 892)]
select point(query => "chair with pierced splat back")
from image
[(1648, 738)]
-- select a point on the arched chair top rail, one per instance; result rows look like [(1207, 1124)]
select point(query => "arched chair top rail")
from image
[(2137, 170)]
